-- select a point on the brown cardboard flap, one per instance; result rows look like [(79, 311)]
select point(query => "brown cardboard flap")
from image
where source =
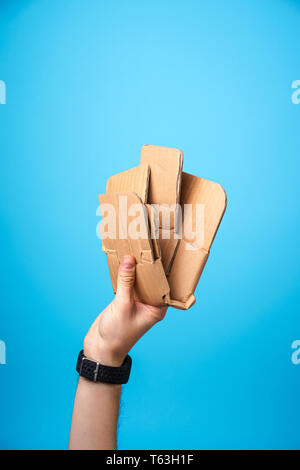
[(135, 180), (168, 248), (154, 230), (164, 191), (165, 179), (185, 272), (190, 259), (151, 285), (183, 305), (212, 195), (113, 266)]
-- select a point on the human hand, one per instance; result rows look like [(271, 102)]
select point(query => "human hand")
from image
[(122, 322)]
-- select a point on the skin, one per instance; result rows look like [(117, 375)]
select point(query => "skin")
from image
[(114, 332)]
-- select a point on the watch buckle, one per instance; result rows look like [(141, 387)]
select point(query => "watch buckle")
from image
[(95, 371)]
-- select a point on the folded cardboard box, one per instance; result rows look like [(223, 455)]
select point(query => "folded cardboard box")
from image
[(167, 220)]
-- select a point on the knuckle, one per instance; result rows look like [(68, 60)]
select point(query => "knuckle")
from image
[(124, 303), (126, 278)]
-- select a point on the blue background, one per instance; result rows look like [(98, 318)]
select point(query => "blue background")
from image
[(88, 83)]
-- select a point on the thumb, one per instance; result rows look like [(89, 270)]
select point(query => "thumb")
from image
[(126, 278)]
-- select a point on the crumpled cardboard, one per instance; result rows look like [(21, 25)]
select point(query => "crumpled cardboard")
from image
[(169, 264)]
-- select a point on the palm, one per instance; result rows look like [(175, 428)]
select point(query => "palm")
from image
[(154, 313), (123, 321)]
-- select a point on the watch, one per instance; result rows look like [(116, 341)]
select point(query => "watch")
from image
[(97, 372)]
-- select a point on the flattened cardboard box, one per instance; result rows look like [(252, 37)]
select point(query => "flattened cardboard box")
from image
[(182, 264)]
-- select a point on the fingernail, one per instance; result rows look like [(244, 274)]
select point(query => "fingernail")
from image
[(127, 262), (127, 266)]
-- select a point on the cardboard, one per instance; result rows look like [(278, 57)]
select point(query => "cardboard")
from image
[(164, 191), (165, 179), (169, 262), (188, 264), (134, 180), (151, 286)]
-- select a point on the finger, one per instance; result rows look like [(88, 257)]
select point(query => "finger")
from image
[(126, 278)]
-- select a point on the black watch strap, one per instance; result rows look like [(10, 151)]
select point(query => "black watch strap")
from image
[(96, 372)]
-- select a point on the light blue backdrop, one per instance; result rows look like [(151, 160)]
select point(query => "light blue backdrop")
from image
[(88, 83)]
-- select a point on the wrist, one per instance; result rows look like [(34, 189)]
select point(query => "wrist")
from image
[(102, 353)]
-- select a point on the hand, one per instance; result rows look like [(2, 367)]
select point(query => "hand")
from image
[(122, 322)]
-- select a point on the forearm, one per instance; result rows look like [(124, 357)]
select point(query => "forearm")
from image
[(108, 341), (95, 416)]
